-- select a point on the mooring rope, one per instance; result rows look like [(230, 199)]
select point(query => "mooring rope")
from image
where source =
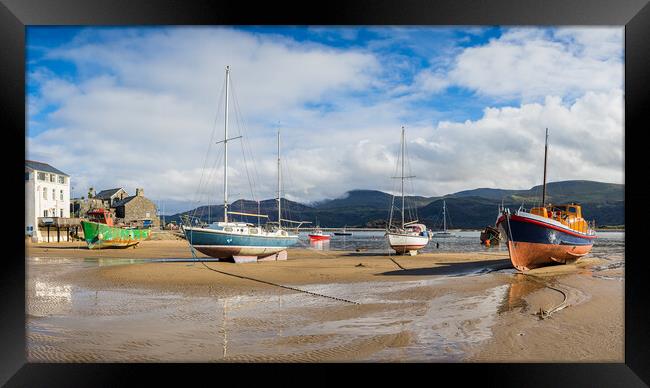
[(278, 285), (396, 263), (543, 314)]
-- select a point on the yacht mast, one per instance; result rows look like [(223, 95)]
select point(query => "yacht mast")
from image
[(402, 177), (279, 185), (225, 153), (444, 216), (544, 185)]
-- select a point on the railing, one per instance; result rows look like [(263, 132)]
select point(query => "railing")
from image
[(58, 221)]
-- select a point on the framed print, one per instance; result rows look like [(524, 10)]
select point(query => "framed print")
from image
[(449, 187)]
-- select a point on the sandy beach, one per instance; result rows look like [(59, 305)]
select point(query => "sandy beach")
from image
[(152, 303)]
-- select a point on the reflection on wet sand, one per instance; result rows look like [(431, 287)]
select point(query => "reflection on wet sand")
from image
[(223, 325), (519, 288), (319, 245)]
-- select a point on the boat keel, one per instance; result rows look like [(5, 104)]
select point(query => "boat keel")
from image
[(282, 255)]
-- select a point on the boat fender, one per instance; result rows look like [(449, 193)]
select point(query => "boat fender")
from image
[(100, 236)]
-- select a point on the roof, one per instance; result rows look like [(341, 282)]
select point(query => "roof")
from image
[(124, 201), (106, 194), (40, 166)]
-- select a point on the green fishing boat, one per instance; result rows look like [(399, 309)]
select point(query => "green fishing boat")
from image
[(100, 232)]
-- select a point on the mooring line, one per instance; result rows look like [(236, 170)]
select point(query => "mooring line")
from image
[(543, 314), (279, 285), (396, 263)]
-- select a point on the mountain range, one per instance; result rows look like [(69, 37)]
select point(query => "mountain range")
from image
[(602, 202)]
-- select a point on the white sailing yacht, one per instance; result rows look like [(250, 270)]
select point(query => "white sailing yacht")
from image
[(241, 241), (407, 237), (444, 232)]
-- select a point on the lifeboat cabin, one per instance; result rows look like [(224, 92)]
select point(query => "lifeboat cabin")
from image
[(569, 215)]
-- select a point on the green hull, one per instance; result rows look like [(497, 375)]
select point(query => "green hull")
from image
[(99, 235)]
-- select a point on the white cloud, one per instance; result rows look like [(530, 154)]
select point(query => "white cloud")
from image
[(505, 148), (531, 64), (143, 113)]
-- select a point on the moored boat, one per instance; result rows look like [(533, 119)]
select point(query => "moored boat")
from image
[(407, 237), (241, 241), (343, 233), (100, 232), (546, 234), (444, 232), (553, 234), (319, 235), (490, 236)]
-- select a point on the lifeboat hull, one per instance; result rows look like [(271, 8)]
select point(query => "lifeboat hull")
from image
[(534, 242)]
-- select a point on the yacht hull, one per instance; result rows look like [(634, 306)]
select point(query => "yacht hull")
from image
[(225, 245), (406, 243)]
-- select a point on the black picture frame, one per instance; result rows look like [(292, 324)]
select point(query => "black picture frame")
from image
[(15, 15)]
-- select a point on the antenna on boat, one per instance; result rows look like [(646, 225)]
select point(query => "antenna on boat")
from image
[(544, 184)]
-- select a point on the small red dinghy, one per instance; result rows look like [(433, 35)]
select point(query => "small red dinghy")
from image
[(319, 235)]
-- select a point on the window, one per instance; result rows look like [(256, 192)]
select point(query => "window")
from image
[(44, 193), (53, 194), (44, 213), (61, 213), (61, 179), (52, 178), (61, 195), (41, 176)]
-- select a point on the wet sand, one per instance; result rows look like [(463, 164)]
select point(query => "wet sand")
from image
[(317, 306)]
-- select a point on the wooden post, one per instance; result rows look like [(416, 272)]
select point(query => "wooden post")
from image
[(58, 234), (48, 233)]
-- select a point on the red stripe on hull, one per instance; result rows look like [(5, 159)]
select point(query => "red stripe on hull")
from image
[(525, 256), (566, 230), (407, 248), (319, 237)]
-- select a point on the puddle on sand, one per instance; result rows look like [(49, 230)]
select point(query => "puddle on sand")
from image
[(521, 287), (447, 325)]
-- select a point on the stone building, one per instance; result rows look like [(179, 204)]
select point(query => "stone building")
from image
[(137, 210), (80, 206), (111, 196)]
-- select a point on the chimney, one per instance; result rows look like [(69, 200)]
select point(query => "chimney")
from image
[(139, 192)]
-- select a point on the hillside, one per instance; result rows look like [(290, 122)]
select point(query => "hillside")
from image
[(368, 199), (602, 202), (556, 192)]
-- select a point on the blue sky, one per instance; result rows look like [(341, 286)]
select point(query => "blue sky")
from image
[(470, 97)]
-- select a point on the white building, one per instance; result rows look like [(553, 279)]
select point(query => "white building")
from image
[(47, 194)]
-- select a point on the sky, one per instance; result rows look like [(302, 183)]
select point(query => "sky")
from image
[(144, 107)]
